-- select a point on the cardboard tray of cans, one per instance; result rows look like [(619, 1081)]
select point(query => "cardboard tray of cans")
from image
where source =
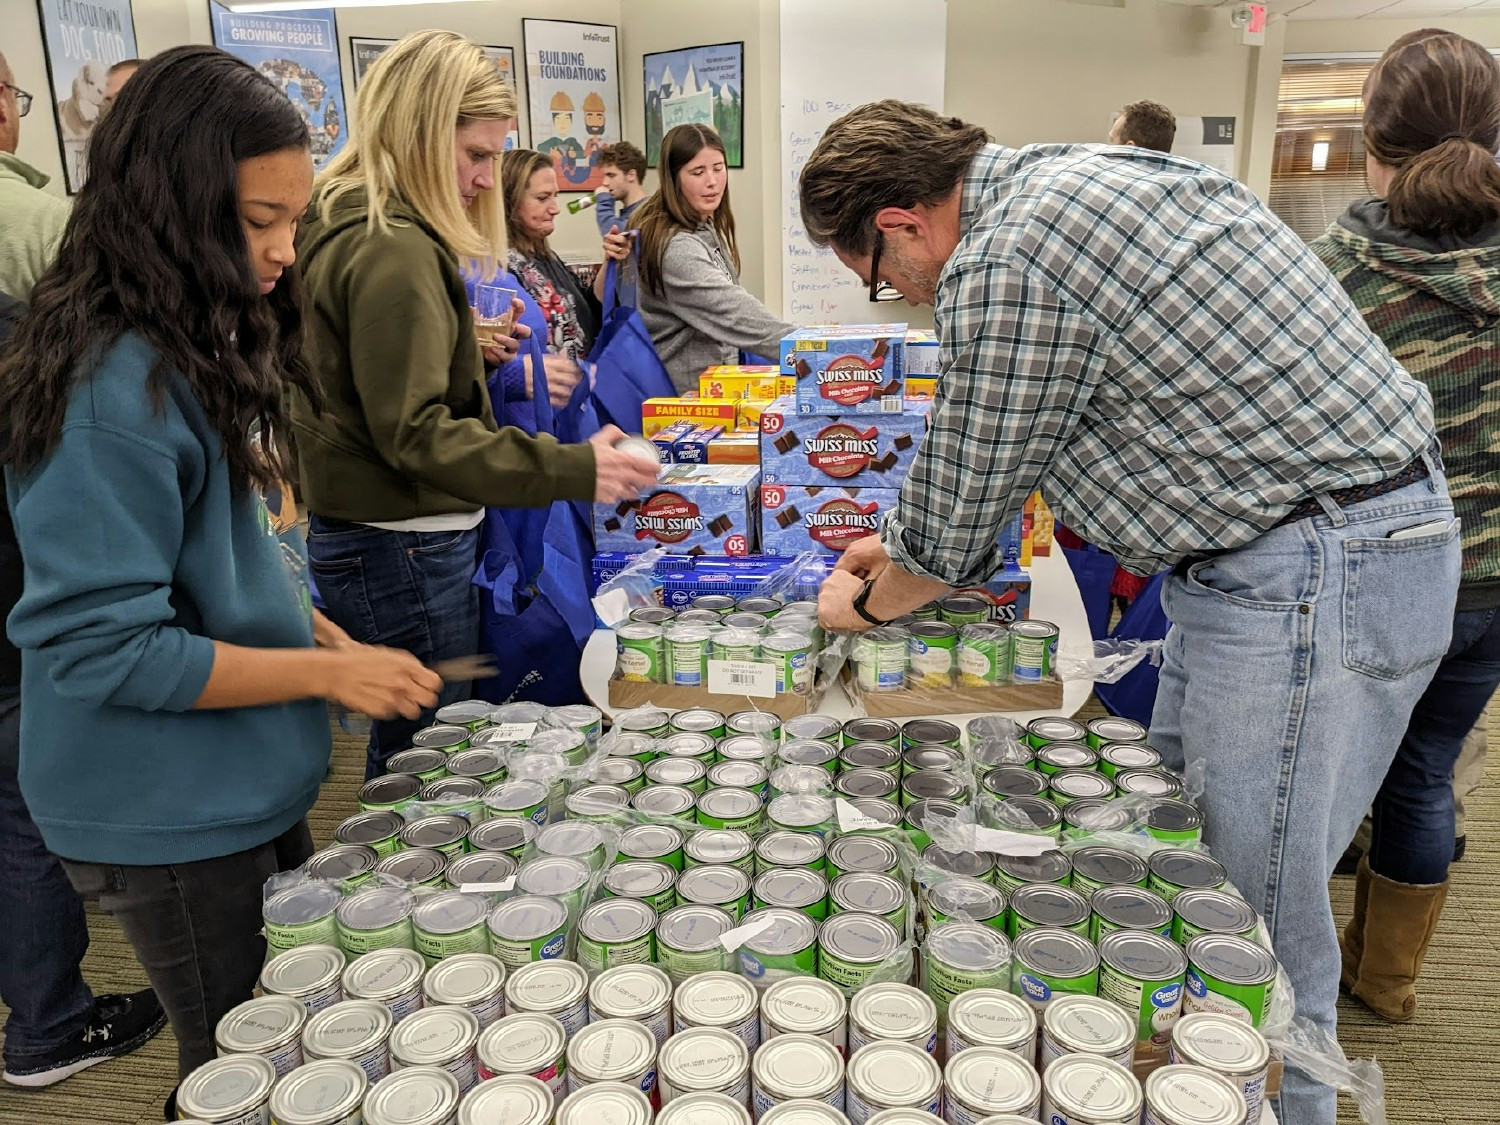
[(958, 700), (628, 693)]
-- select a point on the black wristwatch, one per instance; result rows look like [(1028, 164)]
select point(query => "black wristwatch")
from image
[(859, 603)]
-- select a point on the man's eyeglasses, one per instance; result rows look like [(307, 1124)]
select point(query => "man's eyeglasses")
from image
[(23, 99), (879, 290)]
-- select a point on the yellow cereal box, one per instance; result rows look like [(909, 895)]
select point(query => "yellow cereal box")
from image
[(749, 411), (1042, 525), (734, 449), (920, 389), (659, 413), (732, 381)]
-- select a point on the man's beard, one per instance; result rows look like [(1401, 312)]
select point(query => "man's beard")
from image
[(921, 273)]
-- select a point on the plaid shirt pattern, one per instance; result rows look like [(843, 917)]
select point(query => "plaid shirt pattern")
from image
[(1140, 337)]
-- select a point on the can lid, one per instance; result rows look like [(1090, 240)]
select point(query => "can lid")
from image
[(522, 1043), (1188, 869), (797, 1066), (813, 726), (806, 752), (1088, 1025), (728, 803), (703, 1058), (1231, 959), (937, 756), (576, 714), (449, 912), (888, 1073), (545, 986), (906, 1115), (639, 878), (1110, 728), (883, 811), (1052, 728), (799, 779), (795, 887), (663, 800), (441, 737), (803, 1004), (1068, 756), (1042, 629), (976, 865), (614, 920), (475, 763), (717, 998), (869, 755), (1049, 905), (464, 979), (347, 1029), (620, 743), (1148, 783), (1143, 956), (1015, 781), (618, 771), (984, 727), (801, 810), (803, 1111), (992, 752), (479, 867), (703, 1108), (1130, 755), (863, 853), (697, 719), (516, 1099), (1170, 815), (692, 927), (301, 970), (926, 785), (258, 1025), (649, 841), (318, 1092), (384, 973), (373, 908), (992, 1080), (1215, 911), (555, 875), (719, 845), (557, 740), (630, 992), (861, 939), (502, 834), (1091, 1087), (570, 838), (893, 1011), (787, 642), (1099, 814), (868, 892), (785, 848), (613, 1050), (419, 1095), (1046, 867), (992, 1018), (713, 884), (973, 898), (413, 865), (1194, 1095), (1222, 1043), (642, 718), (518, 793), (1027, 813), (919, 814), (675, 771), (435, 1035), (746, 748), (342, 861), (416, 761), (790, 931), (969, 946), (865, 782), (687, 744), (1080, 784), (1056, 953), (226, 1087), (605, 1103), (453, 788), (871, 729), (465, 711), (304, 903), (1135, 908), (527, 918), (754, 722), (599, 799)]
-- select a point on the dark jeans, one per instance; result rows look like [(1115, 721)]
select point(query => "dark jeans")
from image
[(405, 589), (1412, 825), (43, 932), (196, 930)]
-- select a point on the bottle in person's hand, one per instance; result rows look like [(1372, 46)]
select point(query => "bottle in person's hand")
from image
[(581, 203)]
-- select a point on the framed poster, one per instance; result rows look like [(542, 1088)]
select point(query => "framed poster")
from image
[(363, 52), (82, 39), (573, 95), (697, 86), (299, 52)]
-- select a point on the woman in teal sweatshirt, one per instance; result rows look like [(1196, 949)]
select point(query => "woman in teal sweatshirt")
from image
[(173, 728)]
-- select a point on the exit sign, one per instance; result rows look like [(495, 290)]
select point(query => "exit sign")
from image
[(1253, 33)]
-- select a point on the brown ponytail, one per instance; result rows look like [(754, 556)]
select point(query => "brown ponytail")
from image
[(1432, 114)]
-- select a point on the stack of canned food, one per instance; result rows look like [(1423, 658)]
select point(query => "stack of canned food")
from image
[(714, 878), (953, 642)]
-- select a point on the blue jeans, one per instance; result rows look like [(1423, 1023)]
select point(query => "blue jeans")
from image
[(43, 932), (404, 589), (1290, 672), (1412, 826)]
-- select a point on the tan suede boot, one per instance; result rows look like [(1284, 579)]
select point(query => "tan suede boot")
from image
[(1400, 919), (1352, 943)]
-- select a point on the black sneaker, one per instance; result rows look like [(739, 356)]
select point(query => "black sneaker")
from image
[(120, 1023)]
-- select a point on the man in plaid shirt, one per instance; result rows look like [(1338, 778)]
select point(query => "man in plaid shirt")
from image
[(1140, 337)]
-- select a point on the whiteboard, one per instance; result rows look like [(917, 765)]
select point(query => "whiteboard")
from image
[(835, 55)]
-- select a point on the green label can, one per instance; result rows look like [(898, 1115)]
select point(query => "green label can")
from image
[(1231, 976), (801, 812), (869, 892), (985, 656), (528, 928), (961, 956), (737, 809), (699, 720), (378, 830), (484, 764), (627, 773), (739, 775), (687, 940), (1032, 815), (871, 756), (747, 748), (348, 864), (1043, 904), (731, 847), (726, 887), (786, 947), (449, 923), (686, 654), (1050, 962), (964, 899), (444, 736), (1198, 912), (1012, 872), (762, 723), (417, 867), (1128, 908), (509, 834), (881, 657), (867, 784), (1067, 786), (792, 655), (931, 654), (1112, 729), (1175, 870), (813, 728), (1054, 728), (1035, 644), (1058, 756), (424, 765), (688, 746), (554, 876), (653, 883), (376, 918), (933, 785), (862, 853), (1174, 822), (930, 732), (917, 816), (667, 802), (616, 931), (447, 833), (641, 653), (690, 773), (963, 609), (1096, 867), (790, 849), (852, 946), (872, 730), (302, 915), (652, 615), (793, 888), (660, 842), (520, 797), (1143, 974), (1117, 756)]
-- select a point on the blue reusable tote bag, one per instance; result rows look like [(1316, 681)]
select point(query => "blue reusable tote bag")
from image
[(627, 370), (1134, 694)]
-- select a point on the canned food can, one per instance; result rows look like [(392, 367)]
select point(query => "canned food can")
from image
[(482, 764), (994, 752), (746, 748), (919, 815), (1034, 644), (1034, 815), (526, 1044), (704, 617), (733, 809), (392, 793), (574, 839), (651, 615), (1084, 1088), (1067, 786), (804, 1111), (421, 1095), (653, 883), (1043, 904), (1013, 781), (1128, 908), (792, 1067), (812, 728), (974, 865), (516, 1099), (457, 794), (392, 977), (739, 775), (424, 765), (852, 946), (862, 853), (809, 752), (640, 652), (763, 723), (1148, 783), (659, 842), (627, 773), (1211, 912), (971, 900), (789, 849), (704, 1060), (703, 1109), (714, 603), (1193, 1095), (528, 928), (1099, 814), (984, 1081), (480, 869), (881, 657), (520, 797), (888, 1075), (985, 656), (356, 1031), (593, 805), (1231, 976), (1054, 728), (612, 1051), (229, 1090), (869, 892), (805, 1006), (560, 877), (883, 731), (798, 779), (444, 1037), (964, 955), (992, 1017), (1143, 974), (1228, 1047), (634, 992), (925, 756), (587, 721), (1048, 963), (892, 1013), (788, 946), (379, 830), (270, 1026), (1086, 1025), (793, 888), (616, 931), (419, 867), (933, 785), (614, 1102), (475, 981), (449, 923), (699, 720), (620, 743), (726, 1001), (442, 736), (1117, 756), (687, 939), (1174, 822), (931, 654), (309, 974), (376, 918), (559, 989), (686, 654), (652, 721), (471, 714), (1174, 870), (670, 802), (716, 885), (511, 835), (1012, 872), (1057, 756), (792, 654), (869, 784), (886, 814), (446, 832), (1113, 729), (871, 756), (800, 812), (321, 1093)]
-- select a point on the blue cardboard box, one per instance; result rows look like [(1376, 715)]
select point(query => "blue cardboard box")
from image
[(798, 518), (847, 369), (692, 510), (855, 449)]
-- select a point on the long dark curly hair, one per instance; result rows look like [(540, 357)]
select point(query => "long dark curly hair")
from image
[(155, 246)]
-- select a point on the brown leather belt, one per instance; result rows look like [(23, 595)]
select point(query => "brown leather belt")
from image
[(1348, 497)]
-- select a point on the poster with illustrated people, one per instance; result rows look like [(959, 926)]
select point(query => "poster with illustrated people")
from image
[(83, 38), (299, 52), (573, 94), (697, 86), (363, 53)]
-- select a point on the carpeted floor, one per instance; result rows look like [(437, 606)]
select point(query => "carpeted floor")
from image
[(1440, 1068)]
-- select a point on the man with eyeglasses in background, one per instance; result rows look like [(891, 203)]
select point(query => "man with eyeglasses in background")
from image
[(31, 220)]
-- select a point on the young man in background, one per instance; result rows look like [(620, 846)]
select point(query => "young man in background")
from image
[(623, 167), (1144, 125)]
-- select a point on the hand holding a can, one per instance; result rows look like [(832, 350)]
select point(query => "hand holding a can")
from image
[(620, 473)]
